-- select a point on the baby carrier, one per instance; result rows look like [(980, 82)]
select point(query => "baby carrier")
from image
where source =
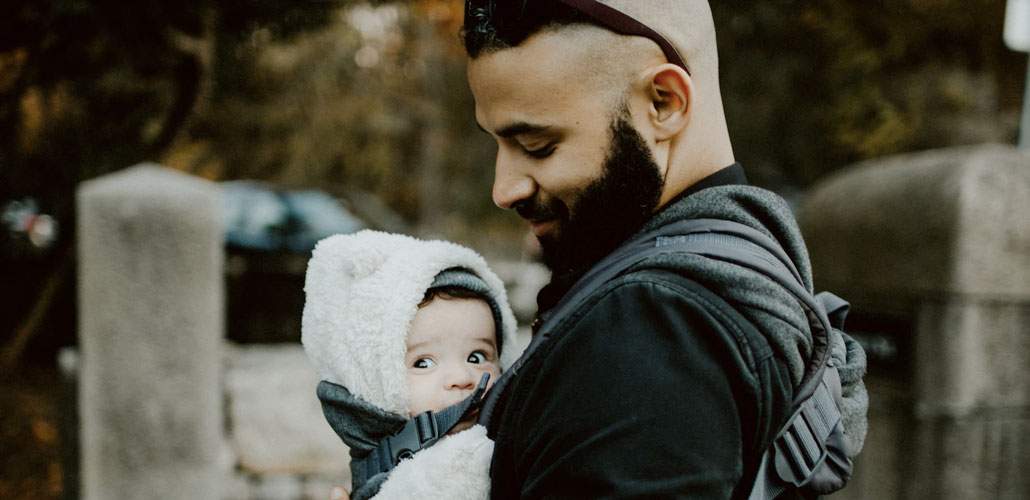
[(809, 454)]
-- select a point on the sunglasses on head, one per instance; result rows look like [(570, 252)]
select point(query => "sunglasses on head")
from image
[(505, 13)]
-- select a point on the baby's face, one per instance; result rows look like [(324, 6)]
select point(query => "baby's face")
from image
[(451, 345)]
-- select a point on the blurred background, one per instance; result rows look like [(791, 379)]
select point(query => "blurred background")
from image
[(319, 117)]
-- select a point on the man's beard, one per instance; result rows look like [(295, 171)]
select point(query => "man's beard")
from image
[(608, 211)]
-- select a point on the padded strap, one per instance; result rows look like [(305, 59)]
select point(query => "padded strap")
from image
[(745, 247)]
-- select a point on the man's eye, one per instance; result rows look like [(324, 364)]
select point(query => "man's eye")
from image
[(543, 152), (423, 363), (477, 357)]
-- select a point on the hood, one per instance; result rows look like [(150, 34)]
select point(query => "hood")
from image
[(362, 293)]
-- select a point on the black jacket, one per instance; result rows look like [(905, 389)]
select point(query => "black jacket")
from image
[(656, 387)]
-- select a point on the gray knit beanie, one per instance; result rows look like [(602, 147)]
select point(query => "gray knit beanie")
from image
[(459, 277)]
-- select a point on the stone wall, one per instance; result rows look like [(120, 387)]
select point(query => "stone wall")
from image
[(939, 242)]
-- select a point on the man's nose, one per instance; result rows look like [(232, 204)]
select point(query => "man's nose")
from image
[(511, 184)]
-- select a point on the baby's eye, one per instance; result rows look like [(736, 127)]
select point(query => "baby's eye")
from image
[(477, 357), (423, 363)]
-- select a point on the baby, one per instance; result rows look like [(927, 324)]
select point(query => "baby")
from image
[(398, 327)]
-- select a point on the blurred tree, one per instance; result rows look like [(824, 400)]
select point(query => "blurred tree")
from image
[(91, 86), (812, 86), (376, 102)]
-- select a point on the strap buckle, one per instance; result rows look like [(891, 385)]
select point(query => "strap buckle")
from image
[(801, 446), (420, 432), (428, 427)]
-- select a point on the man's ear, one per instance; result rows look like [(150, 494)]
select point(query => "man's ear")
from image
[(671, 91)]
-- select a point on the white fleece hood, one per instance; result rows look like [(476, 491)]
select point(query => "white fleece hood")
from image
[(362, 293)]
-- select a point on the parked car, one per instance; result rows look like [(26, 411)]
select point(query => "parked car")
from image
[(269, 235), (259, 217)]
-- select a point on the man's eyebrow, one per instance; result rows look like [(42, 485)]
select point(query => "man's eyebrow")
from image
[(520, 128)]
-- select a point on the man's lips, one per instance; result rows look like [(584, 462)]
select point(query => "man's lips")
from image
[(542, 227)]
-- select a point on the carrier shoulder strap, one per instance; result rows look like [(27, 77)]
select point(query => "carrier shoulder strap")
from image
[(800, 448), (420, 432)]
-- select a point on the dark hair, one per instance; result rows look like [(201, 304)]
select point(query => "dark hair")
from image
[(450, 292), (486, 32)]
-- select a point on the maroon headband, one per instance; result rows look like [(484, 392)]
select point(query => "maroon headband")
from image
[(622, 23)]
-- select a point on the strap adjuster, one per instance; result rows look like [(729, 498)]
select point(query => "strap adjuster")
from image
[(420, 432), (801, 446)]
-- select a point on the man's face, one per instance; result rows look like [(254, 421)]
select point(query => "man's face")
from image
[(569, 160)]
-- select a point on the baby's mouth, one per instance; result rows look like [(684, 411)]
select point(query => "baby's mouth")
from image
[(467, 423)]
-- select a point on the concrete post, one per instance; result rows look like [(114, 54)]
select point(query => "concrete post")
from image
[(940, 241), (150, 333), (1024, 124)]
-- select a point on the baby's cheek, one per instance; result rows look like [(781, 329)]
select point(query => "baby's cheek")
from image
[(495, 371), (417, 395)]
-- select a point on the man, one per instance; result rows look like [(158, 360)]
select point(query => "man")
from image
[(674, 377)]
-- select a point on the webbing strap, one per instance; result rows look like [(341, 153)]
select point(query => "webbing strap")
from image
[(800, 448), (420, 432)]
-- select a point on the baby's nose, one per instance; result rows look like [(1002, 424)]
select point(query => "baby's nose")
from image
[(462, 379)]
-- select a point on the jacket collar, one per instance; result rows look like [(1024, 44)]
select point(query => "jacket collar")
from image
[(731, 175), (559, 285)]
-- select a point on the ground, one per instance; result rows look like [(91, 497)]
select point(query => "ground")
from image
[(30, 438)]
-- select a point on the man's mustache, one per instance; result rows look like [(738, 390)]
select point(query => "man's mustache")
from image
[(535, 210)]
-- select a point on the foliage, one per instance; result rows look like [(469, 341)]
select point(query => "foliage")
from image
[(811, 86), (89, 86), (376, 101)]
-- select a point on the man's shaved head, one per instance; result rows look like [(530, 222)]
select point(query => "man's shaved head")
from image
[(687, 24), (605, 61), (615, 63)]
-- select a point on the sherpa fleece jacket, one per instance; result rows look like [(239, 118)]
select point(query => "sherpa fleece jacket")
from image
[(671, 379)]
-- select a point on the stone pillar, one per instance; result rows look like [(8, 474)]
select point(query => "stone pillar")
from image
[(150, 334), (941, 241)]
